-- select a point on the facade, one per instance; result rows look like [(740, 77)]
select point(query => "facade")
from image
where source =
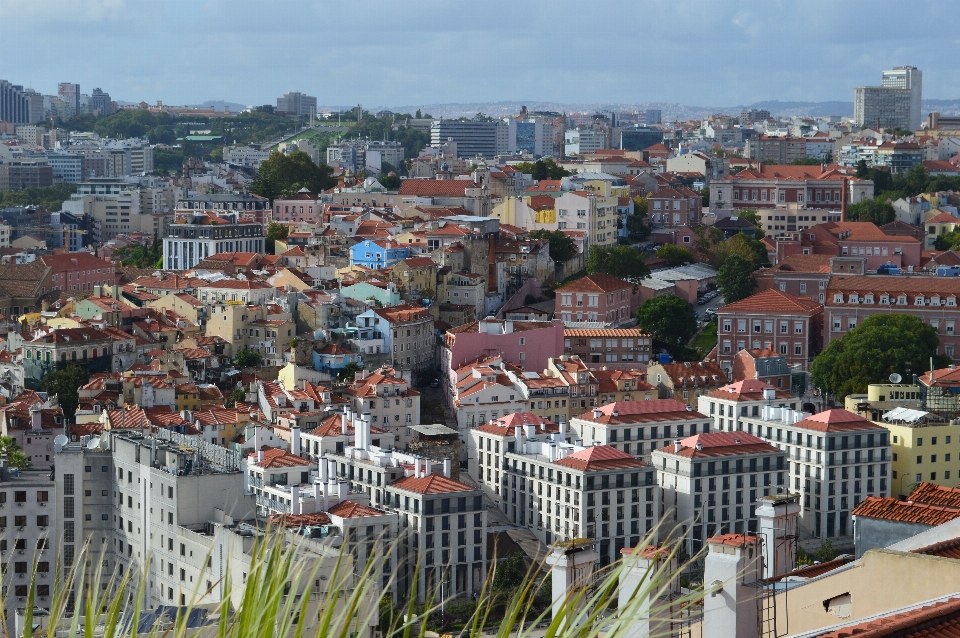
[(407, 333), (392, 404), (56, 349), (297, 104), (378, 253), (16, 175), (852, 298), (14, 104), (777, 186), (473, 139), (770, 320), (79, 271), (729, 405), (304, 207), (530, 344), (674, 207), (194, 236), (894, 104), (686, 381), (592, 214), (922, 450), (711, 483), (837, 459), (597, 297), (610, 348)]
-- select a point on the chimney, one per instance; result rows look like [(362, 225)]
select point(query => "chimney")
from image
[(777, 522), (295, 439), (323, 469), (571, 569), (332, 469), (260, 456), (294, 499), (597, 413), (769, 394), (447, 467), (640, 566), (843, 201), (676, 446), (416, 468), (428, 469), (518, 433), (35, 419), (732, 573)]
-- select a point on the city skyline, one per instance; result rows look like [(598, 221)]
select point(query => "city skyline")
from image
[(400, 56)]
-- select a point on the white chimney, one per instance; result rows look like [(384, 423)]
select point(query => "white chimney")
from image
[(323, 469), (294, 499), (596, 413), (260, 456), (332, 470), (676, 446), (447, 467), (769, 394), (571, 569), (777, 522), (518, 433), (639, 570), (732, 571), (35, 418), (295, 440), (365, 426), (529, 430), (416, 468), (429, 467)]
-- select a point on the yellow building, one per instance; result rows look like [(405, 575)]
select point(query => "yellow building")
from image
[(623, 385), (883, 397), (923, 451), (518, 212), (414, 274), (248, 326)]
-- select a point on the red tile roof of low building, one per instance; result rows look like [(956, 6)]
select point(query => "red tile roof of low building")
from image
[(637, 411), (819, 569), (933, 494), (891, 509), (943, 549), (747, 390), (299, 520), (804, 263), (599, 457), (597, 282), (734, 540), (436, 187), (419, 262), (274, 457), (837, 420), (350, 509), (711, 444)]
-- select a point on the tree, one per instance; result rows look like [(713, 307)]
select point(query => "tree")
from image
[(390, 181), (669, 319), (623, 262), (348, 372), (543, 169), (806, 161), (872, 210), (140, 256), (562, 248), (237, 395), (705, 196), (275, 231), (65, 384), (640, 206), (752, 215), (736, 278), (676, 255), (283, 175), (15, 456), (871, 352), (247, 358)]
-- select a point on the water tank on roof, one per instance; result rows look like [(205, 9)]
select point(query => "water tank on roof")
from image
[(664, 358)]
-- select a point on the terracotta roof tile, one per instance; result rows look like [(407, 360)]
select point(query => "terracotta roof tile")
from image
[(933, 494), (431, 484), (837, 420), (599, 457), (891, 509), (734, 540), (937, 620), (349, 509), (597, 282), (772, 301)]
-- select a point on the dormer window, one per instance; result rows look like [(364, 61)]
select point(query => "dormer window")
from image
[(868, 299), (884, 299), (935, 301), (951, 301), (838, 298), (853, 298), (902, 300), (918, 301)]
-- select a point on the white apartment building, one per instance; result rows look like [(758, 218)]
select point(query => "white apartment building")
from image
[(736, 401), (245, 156), (711, 483), (837, 459), (592, 214), (195, 235), (639, 427), (28, 522), (562, 490), (392, 404), (483, 390)]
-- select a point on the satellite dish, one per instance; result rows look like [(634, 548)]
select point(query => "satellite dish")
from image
[(93, 443), (61, 440), (895, 378)]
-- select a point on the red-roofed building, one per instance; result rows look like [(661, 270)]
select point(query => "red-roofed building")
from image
[(304, 207), (779, 186), (78, 271), (705, 504), (674, 208), (729, 404), (597, 297), (837, 459), (771, 320)]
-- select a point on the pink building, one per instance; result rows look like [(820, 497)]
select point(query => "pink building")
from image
[(597, 297), (529, 344), (78, 271), (302, 207)]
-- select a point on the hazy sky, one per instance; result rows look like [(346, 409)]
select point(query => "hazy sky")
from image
[(407, 52)]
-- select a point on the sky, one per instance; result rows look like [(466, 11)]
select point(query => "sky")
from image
[(393, 53)]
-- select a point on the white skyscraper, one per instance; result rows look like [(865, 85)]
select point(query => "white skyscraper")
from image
[(910, 78), (894, 104)]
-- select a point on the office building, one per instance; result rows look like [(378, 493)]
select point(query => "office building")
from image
[(893, 104), (749, 116), (68, 167), (16, 175), (14, 103), (197, 234), (70, 94), (473, 139), (639, 138), (297, 104), (653, 116), (101, 103)]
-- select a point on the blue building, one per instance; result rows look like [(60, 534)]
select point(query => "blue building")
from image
[(333, 358), (377, 253)]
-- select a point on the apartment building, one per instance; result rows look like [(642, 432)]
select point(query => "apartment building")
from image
[(198, 234), (610, 348), (772, 186), (623, 385), (711, 483), (597, 297), (852, 298), (48, 350), (638, 427), (762, 365), (730, 404), (561, 490), (391, 402), (256, 327), (482, 389), (29, 529), (589, 213), (685, 381), (407, 333), (923, 449), (779, 150), (771, 320), (837, 459), (674, 207)]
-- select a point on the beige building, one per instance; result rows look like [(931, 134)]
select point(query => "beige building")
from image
[(388, 399), (248, 326)]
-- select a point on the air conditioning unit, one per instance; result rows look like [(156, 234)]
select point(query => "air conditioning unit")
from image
[(20, 552)]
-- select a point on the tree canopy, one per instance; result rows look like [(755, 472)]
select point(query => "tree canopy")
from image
[(50, 198), (283, 175), (15, 456), (676, 255), (275, 231), (879, 346), (877, 210), (669, 319), (710, 246), (623, 262), (542, 169), (736, 278), (562, 248), (65, 384), (140, 256), (247, 358)]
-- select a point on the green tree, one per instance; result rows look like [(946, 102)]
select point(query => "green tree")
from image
[(676, 255), (237, 395), (878, 347), (247, 358), (623, 262), (562, 248), (705, 196), (948, 241), (140, 256), (878, 211), (50, 198), (65, 383), (640, 206), (736, 278), (752, 215), (669, 319), (283, 175), (348, 372), (390, 181), (275, 231), (15, 456), (543, 169)]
